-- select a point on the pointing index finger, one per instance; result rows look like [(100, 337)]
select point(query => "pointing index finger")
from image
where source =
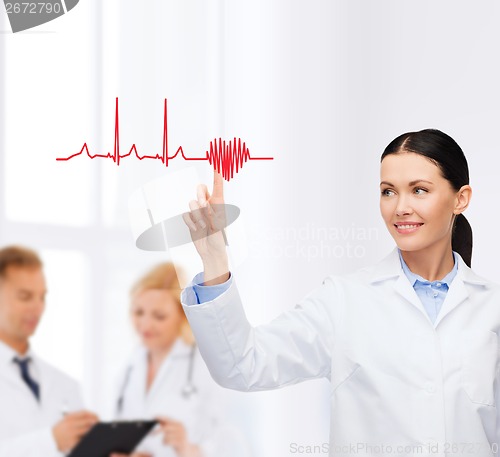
[(218, 189), (202, 194)]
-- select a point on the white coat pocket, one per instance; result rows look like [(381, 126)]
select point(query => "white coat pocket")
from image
[(479, 358), (343, 367)]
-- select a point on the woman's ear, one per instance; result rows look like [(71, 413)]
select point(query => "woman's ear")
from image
[(462, 199)]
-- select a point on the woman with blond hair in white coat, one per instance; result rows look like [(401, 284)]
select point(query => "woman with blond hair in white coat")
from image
[(410, 345), (166, 379)]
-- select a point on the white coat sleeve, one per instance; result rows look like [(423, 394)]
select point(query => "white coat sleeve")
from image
[(293, 347)]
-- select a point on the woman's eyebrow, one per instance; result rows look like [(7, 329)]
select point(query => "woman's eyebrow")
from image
[(411, 183)]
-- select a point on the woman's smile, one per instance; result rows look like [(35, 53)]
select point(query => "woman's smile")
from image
[(407, 227)]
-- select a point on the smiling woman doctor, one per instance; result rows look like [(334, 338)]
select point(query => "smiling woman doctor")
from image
[(410, 345), (166, 378)]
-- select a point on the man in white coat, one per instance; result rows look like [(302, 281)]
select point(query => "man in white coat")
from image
[(40, 413)]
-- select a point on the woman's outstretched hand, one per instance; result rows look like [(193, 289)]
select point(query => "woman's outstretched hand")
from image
[(206, 222)]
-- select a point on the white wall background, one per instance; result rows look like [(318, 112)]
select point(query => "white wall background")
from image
[(323, 86)]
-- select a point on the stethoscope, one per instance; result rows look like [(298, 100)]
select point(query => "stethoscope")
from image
[(188, 390)]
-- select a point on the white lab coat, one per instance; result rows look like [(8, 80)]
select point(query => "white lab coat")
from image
[(25, 424), (201, 414), (396, 379)]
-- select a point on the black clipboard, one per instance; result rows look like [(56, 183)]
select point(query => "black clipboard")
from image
[(108, 437)]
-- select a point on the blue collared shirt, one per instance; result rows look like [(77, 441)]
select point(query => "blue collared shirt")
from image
[(431, 294)]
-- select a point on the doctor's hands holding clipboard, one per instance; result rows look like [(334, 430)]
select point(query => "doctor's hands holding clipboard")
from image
[(206, 222), (135, 454), (72, 428), (175, 435)]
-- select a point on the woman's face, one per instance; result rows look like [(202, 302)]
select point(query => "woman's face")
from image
[(416, 202), (156, 318)]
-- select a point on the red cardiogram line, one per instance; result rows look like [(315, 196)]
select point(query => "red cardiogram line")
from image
[(226, 158)]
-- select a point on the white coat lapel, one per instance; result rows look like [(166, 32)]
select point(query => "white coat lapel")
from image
[(458, 291), (10, 376), (8, 371), (169, 365), (390, 267), (456, 294), (45, 383), (406, 290), (139, 375)]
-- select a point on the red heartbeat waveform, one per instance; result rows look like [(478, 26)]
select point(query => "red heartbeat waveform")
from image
[(226, 158)]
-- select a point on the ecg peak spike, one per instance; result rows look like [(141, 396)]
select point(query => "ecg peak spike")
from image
[(227, 158)]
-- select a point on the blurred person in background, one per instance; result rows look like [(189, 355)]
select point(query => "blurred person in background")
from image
[(166, 378), (41, 408)]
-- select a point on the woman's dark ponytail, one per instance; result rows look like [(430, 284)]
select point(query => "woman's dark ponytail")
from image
[(443, 150), (461, 239)]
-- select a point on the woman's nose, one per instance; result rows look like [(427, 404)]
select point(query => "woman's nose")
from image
[(403, 208), (141, 323)]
